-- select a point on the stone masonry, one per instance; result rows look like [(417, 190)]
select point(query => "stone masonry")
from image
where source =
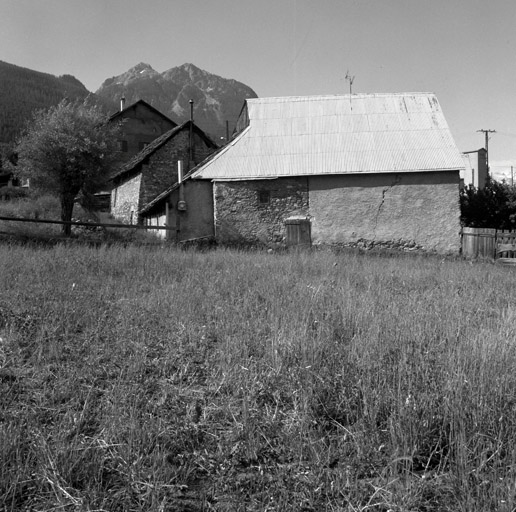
[(255, 211), (157, 172)]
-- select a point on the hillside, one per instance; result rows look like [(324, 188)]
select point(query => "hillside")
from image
[(23, 90), (217, 99)]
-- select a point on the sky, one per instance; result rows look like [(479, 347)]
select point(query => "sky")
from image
[(464, 51)]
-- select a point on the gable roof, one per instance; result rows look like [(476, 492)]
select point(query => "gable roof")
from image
[(358, 133), (144, 104), (156, 144)]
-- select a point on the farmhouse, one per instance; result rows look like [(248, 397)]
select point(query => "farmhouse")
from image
[(373, 169), (154, 169), (141, 123)]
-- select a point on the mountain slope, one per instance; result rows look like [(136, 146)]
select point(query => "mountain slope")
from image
[(216, 99), (23, 90)]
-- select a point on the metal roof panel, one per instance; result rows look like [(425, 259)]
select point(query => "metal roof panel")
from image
[(371, 133)]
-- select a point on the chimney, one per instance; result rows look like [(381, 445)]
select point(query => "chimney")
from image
[(122, 103), (190, 137), (180, 171)]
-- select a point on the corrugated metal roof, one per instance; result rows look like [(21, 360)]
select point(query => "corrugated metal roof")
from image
[(359, 133)]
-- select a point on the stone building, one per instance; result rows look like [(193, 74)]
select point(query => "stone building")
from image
[(361, 169), (154, 169), (141, 123)]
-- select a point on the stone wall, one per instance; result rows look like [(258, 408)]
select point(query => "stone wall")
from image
[(160, 172), (404, 211), (255, 211), (417, 210), (124, 200)]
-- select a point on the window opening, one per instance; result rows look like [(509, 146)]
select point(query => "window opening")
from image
[(264, 197)]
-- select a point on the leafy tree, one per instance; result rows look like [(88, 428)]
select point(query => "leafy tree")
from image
[(68, 150), (493, 206)]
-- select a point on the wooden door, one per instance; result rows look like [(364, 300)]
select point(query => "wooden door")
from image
[(298, 232)]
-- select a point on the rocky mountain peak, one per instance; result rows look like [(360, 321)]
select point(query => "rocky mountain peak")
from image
[(141, 68), (216, 99), (138, 72)]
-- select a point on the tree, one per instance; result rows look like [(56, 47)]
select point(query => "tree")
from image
[(493, 206), (68, 151)]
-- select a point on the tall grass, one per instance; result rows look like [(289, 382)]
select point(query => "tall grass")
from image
[(159, 379)]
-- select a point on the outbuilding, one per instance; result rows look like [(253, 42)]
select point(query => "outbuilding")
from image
[(360, 169)]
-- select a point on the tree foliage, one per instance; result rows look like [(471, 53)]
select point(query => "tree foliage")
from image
[(68, 150), (493, 206)]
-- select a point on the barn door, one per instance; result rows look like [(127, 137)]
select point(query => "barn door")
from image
[(298, 232)]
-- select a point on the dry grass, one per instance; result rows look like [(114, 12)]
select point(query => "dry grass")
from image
[(137, 379)]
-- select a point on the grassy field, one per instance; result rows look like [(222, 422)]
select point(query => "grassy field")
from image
[(154, 379)]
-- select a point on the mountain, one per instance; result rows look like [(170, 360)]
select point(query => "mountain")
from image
[(23, 90), (216, 99)]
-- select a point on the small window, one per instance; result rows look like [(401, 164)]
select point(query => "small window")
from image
[(264, 197), (123, 146)]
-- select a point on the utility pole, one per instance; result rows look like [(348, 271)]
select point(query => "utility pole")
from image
[(486, 133)]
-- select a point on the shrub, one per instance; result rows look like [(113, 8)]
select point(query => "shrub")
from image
[(493, 206)]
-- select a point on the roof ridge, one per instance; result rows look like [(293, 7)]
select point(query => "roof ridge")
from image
[(338, 96)]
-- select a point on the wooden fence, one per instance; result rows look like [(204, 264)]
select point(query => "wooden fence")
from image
[(88, 224), (482, 242)]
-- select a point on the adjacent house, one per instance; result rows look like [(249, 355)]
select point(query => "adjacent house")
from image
[(154, 169), (141, 123), (374, 169)]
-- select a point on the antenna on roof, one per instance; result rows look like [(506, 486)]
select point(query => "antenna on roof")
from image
[(350, 79)]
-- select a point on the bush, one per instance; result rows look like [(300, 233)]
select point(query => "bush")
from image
[(31, 206), (494, 206), (9, 193)]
